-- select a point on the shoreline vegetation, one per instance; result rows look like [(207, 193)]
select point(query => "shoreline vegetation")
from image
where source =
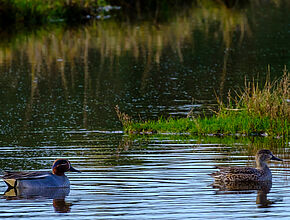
[(40, 12), (252, 111)]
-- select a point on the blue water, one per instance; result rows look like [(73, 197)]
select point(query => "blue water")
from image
[(154, 179)]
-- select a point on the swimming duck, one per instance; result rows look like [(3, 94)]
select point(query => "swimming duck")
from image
[(248, 174), (38, 179)]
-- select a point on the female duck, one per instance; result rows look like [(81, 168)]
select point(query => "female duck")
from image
[(244, 174), (37, 179)]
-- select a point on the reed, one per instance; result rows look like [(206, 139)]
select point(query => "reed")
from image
[(271, 101), (125, 119)]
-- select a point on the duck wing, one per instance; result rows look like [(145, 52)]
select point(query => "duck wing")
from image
[(228, 174), (10, 178), (25, 175), (238, 170)]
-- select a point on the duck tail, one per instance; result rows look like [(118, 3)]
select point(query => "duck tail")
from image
[(11, 183)]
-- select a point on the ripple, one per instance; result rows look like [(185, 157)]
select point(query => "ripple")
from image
[(155, 179)]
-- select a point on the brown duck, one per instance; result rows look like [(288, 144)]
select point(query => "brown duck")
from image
[(248, 174)]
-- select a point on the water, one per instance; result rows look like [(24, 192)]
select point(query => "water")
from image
[(59, 86), (160, 178)]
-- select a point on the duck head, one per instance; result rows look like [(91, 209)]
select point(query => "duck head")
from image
[(263, 156), (60, 166)]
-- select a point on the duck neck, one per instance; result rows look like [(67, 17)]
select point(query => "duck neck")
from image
[(57, 172), (261, 165)]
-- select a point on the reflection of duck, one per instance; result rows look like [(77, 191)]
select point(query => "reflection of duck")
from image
[(57, 194), (263, 188), (61, 206), (239, 186), (41, 179), (248, 174), (31, 193)]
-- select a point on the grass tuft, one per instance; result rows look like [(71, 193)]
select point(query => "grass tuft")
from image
[(272, 100), (252, 111)]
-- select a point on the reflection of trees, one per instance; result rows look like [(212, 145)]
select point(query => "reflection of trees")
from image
[(142, 39), (231, 21), (113, 39)]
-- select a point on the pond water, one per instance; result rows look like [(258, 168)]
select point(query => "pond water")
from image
[(59, 86), (160, 178)]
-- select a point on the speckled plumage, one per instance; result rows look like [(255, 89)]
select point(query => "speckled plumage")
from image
[(247, 174), (41, 179)]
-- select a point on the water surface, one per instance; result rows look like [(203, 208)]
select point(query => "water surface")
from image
[(59, 86), (155, 179)]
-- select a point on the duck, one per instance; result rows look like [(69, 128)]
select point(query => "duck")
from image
[(41, 179), (248, 174)]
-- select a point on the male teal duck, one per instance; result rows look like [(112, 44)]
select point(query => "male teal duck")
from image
[(248, 174), (41, 179)]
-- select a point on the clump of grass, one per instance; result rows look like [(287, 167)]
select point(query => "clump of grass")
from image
[(272, 100), (253, 110), (261, 110)]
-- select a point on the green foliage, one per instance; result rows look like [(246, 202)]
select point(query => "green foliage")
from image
[(234, 123), (41, 11)]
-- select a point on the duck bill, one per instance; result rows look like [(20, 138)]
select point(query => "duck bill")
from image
[(276, 158), (73, 170)]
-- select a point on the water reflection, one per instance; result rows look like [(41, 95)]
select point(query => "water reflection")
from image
[(57, 195), (59, 87), (262, 189), (61, 206), (58, 77)]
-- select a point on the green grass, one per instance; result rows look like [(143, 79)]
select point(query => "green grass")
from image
[(252, 111), (234, 123)]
